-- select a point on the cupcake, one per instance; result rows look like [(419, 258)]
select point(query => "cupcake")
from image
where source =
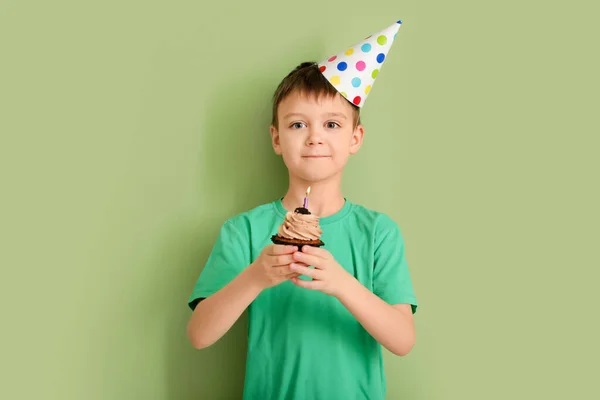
[(299, 228)]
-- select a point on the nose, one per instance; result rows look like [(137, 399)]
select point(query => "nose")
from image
[(314, 137)]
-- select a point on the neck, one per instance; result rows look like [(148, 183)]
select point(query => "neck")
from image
[(325, 197)]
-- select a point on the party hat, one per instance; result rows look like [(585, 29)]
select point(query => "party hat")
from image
[(353, 71)]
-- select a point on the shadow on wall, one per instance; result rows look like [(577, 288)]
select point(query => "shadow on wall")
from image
[(238, 171)]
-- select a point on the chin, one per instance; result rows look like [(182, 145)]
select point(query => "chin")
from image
[(316, 172), (316, 176)]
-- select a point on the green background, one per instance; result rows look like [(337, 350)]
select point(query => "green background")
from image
[(130, 130)]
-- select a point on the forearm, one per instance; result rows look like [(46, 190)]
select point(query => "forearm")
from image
[(216, 314), (391, 327)]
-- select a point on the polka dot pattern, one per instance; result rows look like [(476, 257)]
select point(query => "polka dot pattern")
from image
[(353, 71)]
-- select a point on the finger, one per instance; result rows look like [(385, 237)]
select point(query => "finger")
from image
[(292, 275), (280, 260), (304, 270), (309, 259), (317, 251), (302, 264), (281, 271), (295, 274), (311, 285), (278, 249)]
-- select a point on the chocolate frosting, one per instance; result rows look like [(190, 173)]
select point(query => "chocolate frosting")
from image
[(300, 226)]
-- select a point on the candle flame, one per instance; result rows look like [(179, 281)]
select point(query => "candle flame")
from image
[(308, 191)]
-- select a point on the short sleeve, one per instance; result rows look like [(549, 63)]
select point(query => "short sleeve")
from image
[(391, 277), (229, 256)]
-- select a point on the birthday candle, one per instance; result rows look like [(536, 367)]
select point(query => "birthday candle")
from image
[(306, 198)]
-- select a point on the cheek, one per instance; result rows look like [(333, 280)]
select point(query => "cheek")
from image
[(290, 148), (340, 148)]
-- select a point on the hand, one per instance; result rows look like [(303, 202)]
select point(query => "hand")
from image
[(272, 266), (328, 276)]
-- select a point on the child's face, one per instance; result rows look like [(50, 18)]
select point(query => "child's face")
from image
[(315, 137)]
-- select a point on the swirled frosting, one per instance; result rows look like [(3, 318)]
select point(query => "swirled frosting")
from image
[(300, 226)]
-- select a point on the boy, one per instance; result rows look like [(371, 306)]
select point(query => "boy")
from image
[(314, 333)]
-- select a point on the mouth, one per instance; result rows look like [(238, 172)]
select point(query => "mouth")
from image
[(315, 157)]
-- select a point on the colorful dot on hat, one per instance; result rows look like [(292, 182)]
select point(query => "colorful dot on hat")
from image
[(380, 57), (322, 68), (356, 82), (368, 89), (399, 21), (374, 73), (382, 40), (349, 52), (342, 66), (361, 65), (356, 100), (332, 58), (366, 48), (344, 94), (395, 34), (335, 80)]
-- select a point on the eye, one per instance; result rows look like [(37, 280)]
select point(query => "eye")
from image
[(297, 125), (332, 125)]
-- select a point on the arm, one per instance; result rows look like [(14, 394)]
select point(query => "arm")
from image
[(216, 314), (391, 325)]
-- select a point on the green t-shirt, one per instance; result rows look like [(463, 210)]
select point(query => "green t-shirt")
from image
[(304, 344)]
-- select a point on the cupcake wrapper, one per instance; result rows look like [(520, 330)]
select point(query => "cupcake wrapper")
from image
[(296, 242)]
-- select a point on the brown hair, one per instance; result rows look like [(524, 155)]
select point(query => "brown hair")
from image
[(307, 80)]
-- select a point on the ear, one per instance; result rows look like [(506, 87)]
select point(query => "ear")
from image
[(357, 139), (275, 140)]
